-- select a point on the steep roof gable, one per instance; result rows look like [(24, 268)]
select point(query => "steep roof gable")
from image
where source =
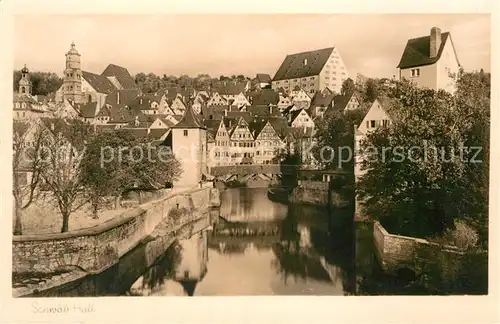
[(99, 82), (416, 52), (293, 66), (263, 78), (121, 74), (189, 120)]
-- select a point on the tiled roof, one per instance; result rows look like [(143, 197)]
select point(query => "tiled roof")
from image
[(265, 97), (295, 113), (99, 82), (340, 102), (76, 135), (263, 78), (88, 110), (322, 100), (416, 52), (189, 120), (280, 125), (389, 105), (256, 126), (121, 74), (293, 66), (127, 97), (20, 127), (263, 110), (229, 87), (158, 132)]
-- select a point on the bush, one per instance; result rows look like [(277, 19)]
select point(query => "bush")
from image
[(462, 236)]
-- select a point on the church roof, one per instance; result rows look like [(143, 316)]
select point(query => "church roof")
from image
[(121, 74), (189, 120), (99, 82)]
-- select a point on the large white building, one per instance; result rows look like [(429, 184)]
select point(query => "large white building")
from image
[(312, 71), (430, 61)]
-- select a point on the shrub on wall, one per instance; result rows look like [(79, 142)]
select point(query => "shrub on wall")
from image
[(175, 214)]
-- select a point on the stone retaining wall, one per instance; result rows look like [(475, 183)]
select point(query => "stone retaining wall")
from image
[(97, 248), (396, 251)]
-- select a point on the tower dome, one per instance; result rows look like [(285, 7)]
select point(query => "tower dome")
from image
[(25, 69), (73, 49)]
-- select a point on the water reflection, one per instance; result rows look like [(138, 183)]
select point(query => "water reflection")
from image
[(258, 248), (255, 247)]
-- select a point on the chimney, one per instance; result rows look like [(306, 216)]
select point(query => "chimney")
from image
[(435, 42), (118, 98), (225, 112)]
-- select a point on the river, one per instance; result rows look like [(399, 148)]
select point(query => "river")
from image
[(254, 247)]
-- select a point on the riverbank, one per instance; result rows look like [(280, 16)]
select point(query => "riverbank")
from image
[(52, 259)]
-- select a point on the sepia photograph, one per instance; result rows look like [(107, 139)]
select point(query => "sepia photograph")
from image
[(250, 155)]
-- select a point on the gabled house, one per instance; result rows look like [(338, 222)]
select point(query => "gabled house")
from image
[(26, 107), (300, 119), (216, 100), (178, 106), (219, 154), (268, 142), (312, 71), (284, 102), (381, 113), (301, 99), (263, 80), (430, 61), (346, 103), (198, 106), (240, 101), (243, 143), (162, 122), (321, 102)]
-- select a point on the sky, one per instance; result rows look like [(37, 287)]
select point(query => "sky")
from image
[(218, 44)]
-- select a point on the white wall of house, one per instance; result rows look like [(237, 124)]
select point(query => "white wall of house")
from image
[(302, 120), (334, 73), (448, 63), (190, 147), (423, 76), (374, 118)]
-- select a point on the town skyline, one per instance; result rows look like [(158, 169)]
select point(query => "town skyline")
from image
[(245, 47)]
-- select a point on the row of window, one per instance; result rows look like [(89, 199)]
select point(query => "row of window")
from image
[(247, 144), (415, 72), (375, 123), (70, 75), (18, 105)]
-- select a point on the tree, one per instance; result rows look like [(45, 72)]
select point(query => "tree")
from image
[(419, 176), (42, 83), (27, 160), (335, 139), (61, 171), (118, 161), (348, 87), (372, 90)]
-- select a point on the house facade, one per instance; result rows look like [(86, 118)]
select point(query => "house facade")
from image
[(312, 71), (378, 115), (242, 143), (430, 61)]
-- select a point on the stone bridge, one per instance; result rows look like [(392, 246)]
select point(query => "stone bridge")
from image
[(271, 171), (92, 250)]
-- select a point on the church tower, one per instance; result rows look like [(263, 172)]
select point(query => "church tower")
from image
[(25, 82), (189, 145), (72, 80)]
